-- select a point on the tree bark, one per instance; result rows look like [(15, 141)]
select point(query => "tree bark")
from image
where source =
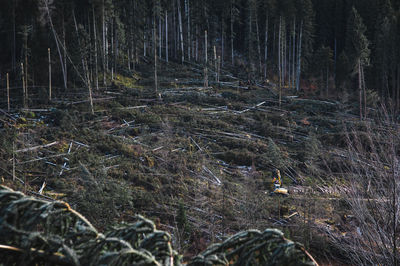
[(181, 31)]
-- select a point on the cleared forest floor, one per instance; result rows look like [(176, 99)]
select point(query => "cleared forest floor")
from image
[(206, 152)]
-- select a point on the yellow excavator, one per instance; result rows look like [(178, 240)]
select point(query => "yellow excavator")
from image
[(276, 185)]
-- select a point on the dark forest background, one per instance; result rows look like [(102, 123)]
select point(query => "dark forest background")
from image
[(333, 46)]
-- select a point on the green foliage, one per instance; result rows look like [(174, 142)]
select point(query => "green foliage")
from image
[(182, 221), (253, 247), (356, 42), (274, 155)]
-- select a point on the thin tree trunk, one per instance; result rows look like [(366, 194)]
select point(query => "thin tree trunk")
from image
[(112, 48), (13, 60), (258, 44), (84, 65), (289, 62), (159, 38), (360, 89), (274, 45), (26, 57), (166, 36), (299, 58), (266, 48), (222, 43), (181, 31), (57, 44), (8, 93), (175, 29), (104, 44), (215, 63), (364, 92), (188, 28), (23, 85), (155, 57), (294, 55), (279, 61), (334, 66), (327, 81), (197, 44), (206, 61), (95, 51), (398, 87), (48, 50), (219, 68), (232, 21), (64, 49)]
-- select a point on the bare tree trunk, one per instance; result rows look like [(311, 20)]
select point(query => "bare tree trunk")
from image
[(188, 27), (364, 92), (26, 58), (175, 29), (327, 81), (159, 38), (206, 61), (258, 44), (155, 57), (95, 51), (360, 89), (266, 48), (334, 66), (299, 58), (48, 50), (64, 49), (215, 63), (222, 44), (219, 68), (232, 21), (112, 48), (166, 36), (289, 62), (104, 44), (181, 31), (294, 55), (57, 44), (398, 87), (84, 65), (8, 93), (23, 85), (13, 60), (279, 61)]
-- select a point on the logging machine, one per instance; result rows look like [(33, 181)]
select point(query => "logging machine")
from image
[(277, 183)]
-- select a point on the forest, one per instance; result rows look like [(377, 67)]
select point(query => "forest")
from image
[(181, 111), (324, 45)]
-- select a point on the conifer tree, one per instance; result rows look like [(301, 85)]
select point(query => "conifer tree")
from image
[(357, 51)]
